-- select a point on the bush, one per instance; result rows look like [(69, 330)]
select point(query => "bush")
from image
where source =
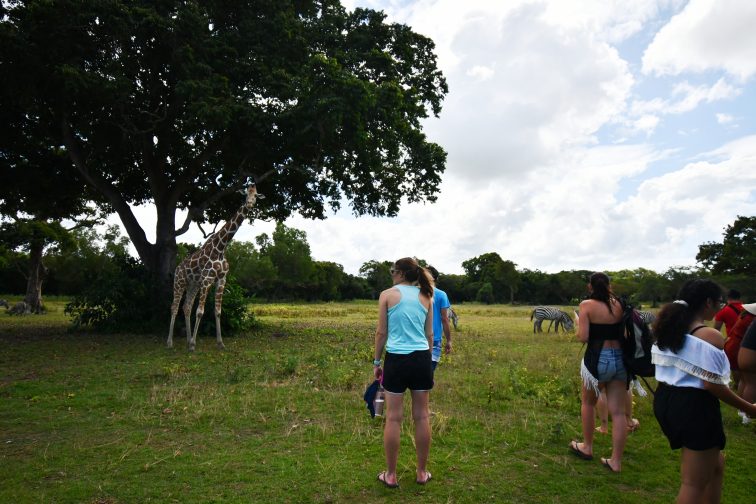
[(125, 297)]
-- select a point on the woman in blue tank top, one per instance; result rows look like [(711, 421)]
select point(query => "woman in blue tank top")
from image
[(405, 330)]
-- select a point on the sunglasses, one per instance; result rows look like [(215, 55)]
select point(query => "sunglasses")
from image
[(393, 271)]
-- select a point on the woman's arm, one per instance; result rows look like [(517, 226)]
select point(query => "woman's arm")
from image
[(582, 323), (727, 396), (429, 324), (381, 332)]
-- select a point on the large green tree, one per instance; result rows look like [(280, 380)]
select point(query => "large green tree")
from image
[(38, 192), (491, 269), (737, 252), (182, 103)]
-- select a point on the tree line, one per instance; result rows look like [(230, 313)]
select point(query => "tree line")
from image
[(280, 267)]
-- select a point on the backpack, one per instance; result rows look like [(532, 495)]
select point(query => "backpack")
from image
[(733, 308), (636, 346)]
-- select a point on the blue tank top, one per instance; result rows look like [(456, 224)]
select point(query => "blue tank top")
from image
[(406, 322)]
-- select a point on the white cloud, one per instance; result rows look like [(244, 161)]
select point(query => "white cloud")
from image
[(725, 118), (706, 35), (538, 89), (685, 98)]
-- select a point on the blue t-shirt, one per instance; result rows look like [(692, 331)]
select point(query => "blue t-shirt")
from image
[(440, 301), (406, 322)]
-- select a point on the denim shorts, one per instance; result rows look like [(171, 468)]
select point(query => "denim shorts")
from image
[(610, 365), (436, 353)]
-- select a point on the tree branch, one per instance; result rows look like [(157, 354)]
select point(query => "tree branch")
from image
[(133, 228)]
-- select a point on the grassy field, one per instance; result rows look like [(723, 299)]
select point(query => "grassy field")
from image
[(279, 417)]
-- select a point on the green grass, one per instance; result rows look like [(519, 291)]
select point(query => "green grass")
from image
[(279, 417)]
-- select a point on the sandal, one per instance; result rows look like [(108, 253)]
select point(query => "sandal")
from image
[(382, 479), (577, 451), (428, 477), (605, 463)]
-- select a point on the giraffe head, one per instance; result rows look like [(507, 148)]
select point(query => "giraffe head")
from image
[(252, 196)]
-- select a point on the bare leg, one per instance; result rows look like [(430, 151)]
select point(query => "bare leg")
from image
[(588, 417), (603, 413), (701, 474), (218, 304), (421, 417), (632, 423), (391, 431), (616, 396)]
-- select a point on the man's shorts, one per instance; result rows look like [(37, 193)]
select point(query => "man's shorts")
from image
[(412, 371)]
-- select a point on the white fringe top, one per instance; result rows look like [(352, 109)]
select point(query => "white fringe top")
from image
[(696, 362)]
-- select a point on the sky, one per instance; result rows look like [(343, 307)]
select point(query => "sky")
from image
[(591, 134)]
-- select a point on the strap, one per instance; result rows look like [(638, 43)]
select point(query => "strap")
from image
[(653, 392), (737, 312), (697, 328)]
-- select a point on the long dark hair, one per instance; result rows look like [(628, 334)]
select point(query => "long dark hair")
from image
[(413, 272), (600, 289), (674, 319)]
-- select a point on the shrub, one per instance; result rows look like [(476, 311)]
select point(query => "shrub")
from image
[(125, 297)]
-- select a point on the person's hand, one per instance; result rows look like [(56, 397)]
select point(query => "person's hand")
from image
[(377, 372), (448, 347)]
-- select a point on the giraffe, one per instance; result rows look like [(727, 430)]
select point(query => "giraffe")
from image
[(200, 270)]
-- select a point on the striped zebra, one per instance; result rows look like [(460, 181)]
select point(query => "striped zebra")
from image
[(647, 317), (553, 315), (453, 316)]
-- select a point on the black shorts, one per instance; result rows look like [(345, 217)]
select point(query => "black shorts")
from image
[(689, 417), (412, 371)]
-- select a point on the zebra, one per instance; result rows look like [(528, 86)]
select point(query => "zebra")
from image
[(647, 317), (554, 316), (453, 316)]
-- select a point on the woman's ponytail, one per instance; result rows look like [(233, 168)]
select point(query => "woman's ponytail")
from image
[(415, 273)]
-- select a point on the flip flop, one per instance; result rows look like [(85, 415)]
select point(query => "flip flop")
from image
[(428, 477), (382, 479), (633, 425), (574, 449), (605, 463)]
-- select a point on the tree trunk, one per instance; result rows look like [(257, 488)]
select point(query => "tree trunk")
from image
[(37, 274), (164, 251)]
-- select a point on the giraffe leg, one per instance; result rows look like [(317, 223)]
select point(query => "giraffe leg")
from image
[(188, 303), (178, 291), (218, 303), (200, 310)]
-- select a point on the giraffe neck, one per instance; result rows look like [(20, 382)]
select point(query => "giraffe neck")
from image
[(229, 229)]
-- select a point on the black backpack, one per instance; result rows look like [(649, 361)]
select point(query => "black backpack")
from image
[(636, 346)]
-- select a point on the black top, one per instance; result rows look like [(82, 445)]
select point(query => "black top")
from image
[(605, 332)]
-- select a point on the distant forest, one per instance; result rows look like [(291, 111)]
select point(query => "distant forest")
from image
[(280, 268)]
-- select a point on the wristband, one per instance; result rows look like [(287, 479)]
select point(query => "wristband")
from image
[(376, 362)]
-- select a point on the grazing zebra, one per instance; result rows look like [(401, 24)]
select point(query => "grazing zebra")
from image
[(554, 316), (453, 316), (647, 317)]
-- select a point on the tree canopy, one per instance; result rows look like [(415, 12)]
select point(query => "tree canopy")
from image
[(182, 103), (737, 252)]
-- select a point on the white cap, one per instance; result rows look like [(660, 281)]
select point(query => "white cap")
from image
[(750, 308)]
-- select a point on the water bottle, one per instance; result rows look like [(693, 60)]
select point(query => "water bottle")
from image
[(379, 401)]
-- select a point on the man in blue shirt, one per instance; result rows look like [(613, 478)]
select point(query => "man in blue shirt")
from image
[(441, 327)]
